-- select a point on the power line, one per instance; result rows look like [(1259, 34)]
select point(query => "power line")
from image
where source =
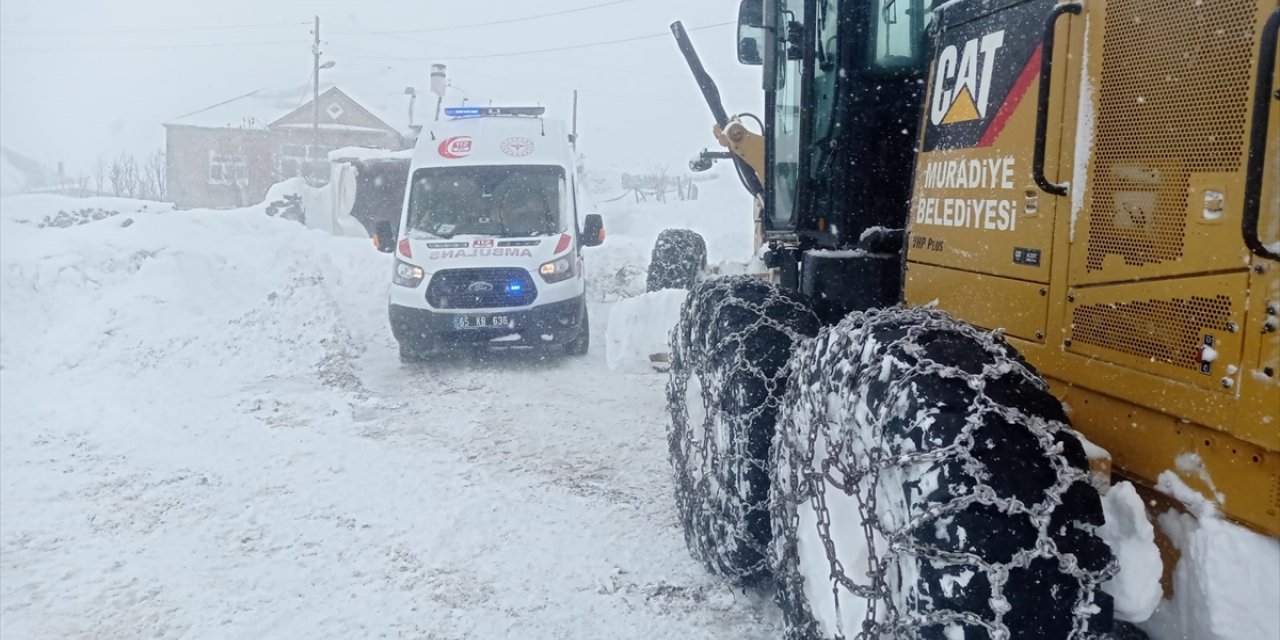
[(665, 34), (214, 45), (149, 30), (215, 106), (504, 21), (350, 53)]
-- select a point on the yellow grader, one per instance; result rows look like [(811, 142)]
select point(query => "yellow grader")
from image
[(1005, 238)]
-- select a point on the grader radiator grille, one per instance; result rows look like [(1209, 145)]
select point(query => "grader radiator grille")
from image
[(1163, 331), (1172, 100)]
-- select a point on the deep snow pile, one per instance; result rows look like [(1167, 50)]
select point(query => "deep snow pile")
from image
[(256, 293), (1136, 588), (1226, 585), (640, 328)]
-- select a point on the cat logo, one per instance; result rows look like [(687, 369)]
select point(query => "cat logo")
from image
[(962, 80)]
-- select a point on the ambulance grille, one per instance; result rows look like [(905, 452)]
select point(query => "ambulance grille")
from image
[(485, 288), (1173, 100), (1165, 331)]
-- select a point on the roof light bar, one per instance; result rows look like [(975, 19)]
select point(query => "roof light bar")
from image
[(475, 112)]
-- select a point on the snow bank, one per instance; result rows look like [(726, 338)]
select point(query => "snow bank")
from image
[(41, 209), (1226, 585), (192, 445), (326, 208), (1136, 588), (640, 327), (164, 292)]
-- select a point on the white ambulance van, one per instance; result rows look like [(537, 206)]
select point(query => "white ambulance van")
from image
[(489, 249)]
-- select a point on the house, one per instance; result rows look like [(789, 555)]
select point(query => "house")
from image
[(229, 154)]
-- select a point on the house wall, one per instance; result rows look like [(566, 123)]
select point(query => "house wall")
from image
[(193, 182), (190, 152), (327, 140)]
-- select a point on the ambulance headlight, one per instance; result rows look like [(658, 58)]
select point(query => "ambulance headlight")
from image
[(408, 275), (558, 270)]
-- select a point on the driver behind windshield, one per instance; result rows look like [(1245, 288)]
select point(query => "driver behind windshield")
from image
[(502, 201)]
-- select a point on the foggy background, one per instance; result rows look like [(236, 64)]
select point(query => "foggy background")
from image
[(83, 79)]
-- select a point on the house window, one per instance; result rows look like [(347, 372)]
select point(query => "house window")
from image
[(227, 168), (308, 161)]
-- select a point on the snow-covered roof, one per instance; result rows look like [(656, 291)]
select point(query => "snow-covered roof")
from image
[(262, 107), (254, 110), (367, 153)]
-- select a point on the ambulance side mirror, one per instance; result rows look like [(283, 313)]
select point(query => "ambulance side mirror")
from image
[(383, 237), (592, 231)]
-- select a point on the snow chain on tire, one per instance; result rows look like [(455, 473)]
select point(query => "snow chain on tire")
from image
[(678, 260), (729, 352), (937, 451)]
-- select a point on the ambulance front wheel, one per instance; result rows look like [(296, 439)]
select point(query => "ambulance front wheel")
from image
[(580, 345)]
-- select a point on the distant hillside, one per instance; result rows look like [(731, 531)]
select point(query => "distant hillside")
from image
[(20, 174)]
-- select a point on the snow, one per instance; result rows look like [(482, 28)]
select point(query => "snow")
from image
[(722, 215), (1208, 354), (258, 108), (322, 212), (640, 328), (1226, 584), (32, 209), (19, 173), (1170, 484), (367, 153), (1136, 588), (206, 433), (1084, 138)]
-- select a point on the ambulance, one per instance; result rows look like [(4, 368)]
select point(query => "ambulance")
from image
[(489, 248)]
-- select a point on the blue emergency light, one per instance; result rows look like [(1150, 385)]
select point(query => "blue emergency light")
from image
[(473, 112), (515, 287)]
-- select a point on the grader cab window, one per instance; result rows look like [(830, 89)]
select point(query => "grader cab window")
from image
[(826, 68), (899, 30), (787, 114)]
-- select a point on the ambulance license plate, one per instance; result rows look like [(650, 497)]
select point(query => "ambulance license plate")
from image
[(482, 322)]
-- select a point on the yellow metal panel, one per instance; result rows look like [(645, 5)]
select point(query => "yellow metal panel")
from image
[(1260, 367), (1243, 477), (977, 209), (1171, 98), (1201, 405), (1186, 329), (1017, 307)]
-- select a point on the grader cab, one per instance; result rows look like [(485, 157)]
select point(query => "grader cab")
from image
[(999, 232)]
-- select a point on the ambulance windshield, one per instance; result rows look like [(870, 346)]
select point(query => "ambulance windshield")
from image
[(505, 201)]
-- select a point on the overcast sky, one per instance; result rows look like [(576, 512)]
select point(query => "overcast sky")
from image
[(81, 79)]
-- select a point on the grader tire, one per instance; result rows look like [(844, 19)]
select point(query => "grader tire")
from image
[(678, 260), (728, 371), (927, 485)]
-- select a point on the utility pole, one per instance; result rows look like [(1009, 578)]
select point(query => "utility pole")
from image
[(315, 85)]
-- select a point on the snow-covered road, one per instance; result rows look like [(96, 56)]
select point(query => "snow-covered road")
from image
[(206, 433)]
